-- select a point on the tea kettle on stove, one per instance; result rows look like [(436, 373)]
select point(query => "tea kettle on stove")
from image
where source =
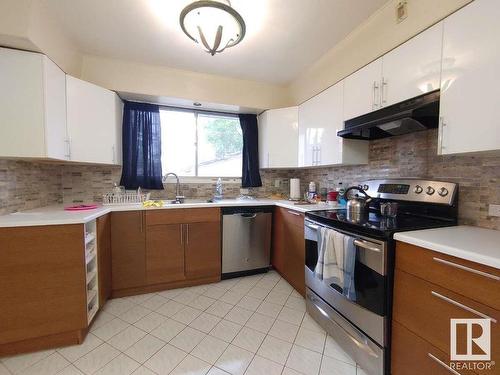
[(357, 207)]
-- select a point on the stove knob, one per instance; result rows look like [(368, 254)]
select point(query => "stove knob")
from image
[(430, 190), (443, 192), (418, 189), (365, 187)]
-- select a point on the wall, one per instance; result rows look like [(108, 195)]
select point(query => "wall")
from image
[(376, 36)]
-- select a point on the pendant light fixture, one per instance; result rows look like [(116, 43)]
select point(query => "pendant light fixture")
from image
[(213, 23)]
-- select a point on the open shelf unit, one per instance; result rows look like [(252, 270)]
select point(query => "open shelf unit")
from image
[(91, 268)]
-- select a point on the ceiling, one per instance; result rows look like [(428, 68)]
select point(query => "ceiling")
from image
[(283, 37)]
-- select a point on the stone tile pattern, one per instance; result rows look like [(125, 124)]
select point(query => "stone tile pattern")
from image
[(25, 185), (252, 325)]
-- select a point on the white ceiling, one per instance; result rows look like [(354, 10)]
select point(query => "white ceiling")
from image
[(283, 37)]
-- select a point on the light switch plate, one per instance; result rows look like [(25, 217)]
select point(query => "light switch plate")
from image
[(494, 210), (277, 183)]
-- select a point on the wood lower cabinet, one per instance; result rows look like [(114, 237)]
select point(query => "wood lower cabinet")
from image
[(103, 224), (288, 253), (203, 250), (128, 249)]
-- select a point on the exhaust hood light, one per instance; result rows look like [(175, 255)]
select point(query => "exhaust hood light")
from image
[(213, 23), (197, 104)]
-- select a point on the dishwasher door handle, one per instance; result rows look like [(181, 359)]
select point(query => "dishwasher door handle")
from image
[(247, 215)]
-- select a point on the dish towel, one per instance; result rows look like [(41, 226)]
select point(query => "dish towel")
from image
[(330, 255), (350, 261)]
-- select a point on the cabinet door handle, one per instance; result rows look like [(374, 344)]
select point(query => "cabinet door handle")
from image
[(268, 158), (293, 213), (68, 148), (318, 157), (438, 361), (463, 307), (468, 269), (383, 92), (113, 154), (441, 134), (374, 99)]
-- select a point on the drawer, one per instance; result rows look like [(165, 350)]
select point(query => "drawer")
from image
[(469, 279), (292, 217), (426, 310), (412, 355), (182, 216)]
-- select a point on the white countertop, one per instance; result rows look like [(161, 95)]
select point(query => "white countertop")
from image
[(56, 215), (470, 243)]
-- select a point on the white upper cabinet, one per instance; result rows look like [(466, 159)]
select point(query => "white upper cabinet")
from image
[(413, 68), (32, 106), (278, 138), (94, 122), (470, 85), (320, 118), (362, 90)]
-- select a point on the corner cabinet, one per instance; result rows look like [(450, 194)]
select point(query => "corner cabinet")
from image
[(94, 122), (33, 106), (278, 138), (320, 118), (469, 87)]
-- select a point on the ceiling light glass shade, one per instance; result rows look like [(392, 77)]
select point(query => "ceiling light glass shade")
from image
[(213, 24)]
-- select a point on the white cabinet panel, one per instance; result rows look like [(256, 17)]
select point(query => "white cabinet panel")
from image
[(413, 68), (278, 138), (92, 122), (362, 90), (470, 85), (32, 106)]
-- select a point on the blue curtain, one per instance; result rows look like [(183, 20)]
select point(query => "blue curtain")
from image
[(250, 176), (141, 146)]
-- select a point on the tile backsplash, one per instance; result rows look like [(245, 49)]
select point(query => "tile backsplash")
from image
[(25, 185)]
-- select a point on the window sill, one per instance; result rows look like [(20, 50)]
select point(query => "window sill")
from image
[(203, 180)]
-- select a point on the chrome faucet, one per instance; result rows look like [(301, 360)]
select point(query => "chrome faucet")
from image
[(178, 197)]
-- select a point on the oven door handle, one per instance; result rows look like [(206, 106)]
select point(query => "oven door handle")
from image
[(312, 226), (366, 245)]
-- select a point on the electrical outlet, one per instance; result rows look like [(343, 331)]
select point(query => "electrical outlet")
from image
[(494, 210), (277, 183)]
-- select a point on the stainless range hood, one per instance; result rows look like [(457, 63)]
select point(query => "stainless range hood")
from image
[(419, 113)]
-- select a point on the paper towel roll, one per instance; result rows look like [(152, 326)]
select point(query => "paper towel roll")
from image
[(295, 188)]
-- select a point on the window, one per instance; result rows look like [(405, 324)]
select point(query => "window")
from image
[(201, 144)]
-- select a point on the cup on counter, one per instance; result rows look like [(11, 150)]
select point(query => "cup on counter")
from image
[(389, 209)]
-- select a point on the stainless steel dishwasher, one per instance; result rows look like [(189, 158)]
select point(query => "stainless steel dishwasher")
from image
[(246, 240)]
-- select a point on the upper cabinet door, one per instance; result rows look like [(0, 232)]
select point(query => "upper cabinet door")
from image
[(92, 122), (470, 85), (413, 68), (278, 138), (362, 90)]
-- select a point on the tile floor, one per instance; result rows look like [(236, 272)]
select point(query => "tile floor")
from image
[(251, 325)]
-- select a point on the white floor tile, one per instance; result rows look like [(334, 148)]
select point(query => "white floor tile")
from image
[(289, 371), (144, 349), (126, 338), (143, 370), (263, 366), (312, 340), (238, 315), (170, 308), (234, 360), (333, 350), (283, 287), (249, 303), (48, 366), (191, 366), (304, 360), (134, 314), (154, 302), (249, 339), (201, 302), (219, 309), (210, 349), (277, 297), (150, 322), (73, 352), (96, 359), (168, 330), (226, 330), (284, 330), (217, 371), (309, 323), (69, 370), (199, 289), (259, 322), (165, 360), (296, 303), (118, 306), (140, 298), (187, 339), (275, 349), (270, 309), (205, 322), (19, 363), (214, 292), (185, 297), (232, 297), (121, 365), (186, 315), (171, 293), (258, 292), (100, 319), (3, 369), (291, 316), (110, 329), (332, 366)]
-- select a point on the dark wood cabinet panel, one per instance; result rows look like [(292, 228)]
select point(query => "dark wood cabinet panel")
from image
[(128, 249), (203, 250), (104, 257), (164, 253)]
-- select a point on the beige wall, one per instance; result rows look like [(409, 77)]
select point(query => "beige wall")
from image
[(162, 81), (376, 36), (14, 24)]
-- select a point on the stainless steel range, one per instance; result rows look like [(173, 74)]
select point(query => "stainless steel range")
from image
[(354, 303)]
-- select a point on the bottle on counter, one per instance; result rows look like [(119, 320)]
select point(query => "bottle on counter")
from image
[(219, 190), (341, 199)]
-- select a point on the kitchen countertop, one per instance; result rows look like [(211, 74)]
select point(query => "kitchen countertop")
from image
[(55, 215), (470, 243)]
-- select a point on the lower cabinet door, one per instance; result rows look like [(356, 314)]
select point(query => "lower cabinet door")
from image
[(295, 256), (164, 253), (203, 250)]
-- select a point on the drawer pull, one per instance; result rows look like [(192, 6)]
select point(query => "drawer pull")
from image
[(293, 213), (462, 306), (437, 360), (468, 269), (366, 245)]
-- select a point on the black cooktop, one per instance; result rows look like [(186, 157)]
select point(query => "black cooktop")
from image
[(376, 224)]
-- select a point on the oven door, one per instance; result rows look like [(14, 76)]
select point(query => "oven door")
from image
[(359, 294)]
